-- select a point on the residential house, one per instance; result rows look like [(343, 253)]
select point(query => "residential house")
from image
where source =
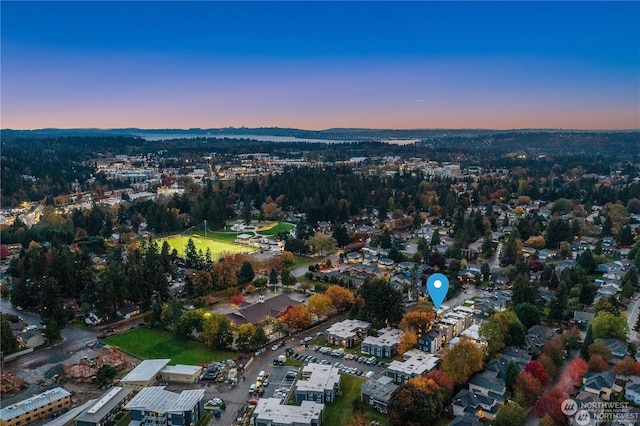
[(155, 405), (384, 345), (618, 349), (377, 392), (466, 420), (536, 338), (488, 383), (319, 383), (632, 393), (467, 403), (601, 384), (582, 319)]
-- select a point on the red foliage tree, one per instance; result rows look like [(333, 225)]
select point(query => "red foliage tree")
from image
[(441, 378), (238, 299), (572, 374), (526, 388), (547, 404), (537, 370)]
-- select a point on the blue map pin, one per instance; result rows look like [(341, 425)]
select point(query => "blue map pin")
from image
[(437, 286)]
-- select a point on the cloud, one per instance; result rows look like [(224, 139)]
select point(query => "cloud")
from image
[(421, 100)]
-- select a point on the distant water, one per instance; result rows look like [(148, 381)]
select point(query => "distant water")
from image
[(261, 138)]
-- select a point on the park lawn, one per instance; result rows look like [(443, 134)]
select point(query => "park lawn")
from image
[(276, 228), (218, 248), (336, 412), (227, 237), (372, 415), (149, 343)]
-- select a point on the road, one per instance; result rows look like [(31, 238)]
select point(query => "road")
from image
[(494, 262), (31, 367), (632, 315)]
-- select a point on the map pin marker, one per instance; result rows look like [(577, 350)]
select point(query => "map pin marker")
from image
[(437, 286)]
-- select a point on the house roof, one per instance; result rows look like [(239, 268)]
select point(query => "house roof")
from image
[(488, 380), (470, 402), (258, 312), (605, 379), (40, 400), (466, 420), (618, 347), (379, 389)]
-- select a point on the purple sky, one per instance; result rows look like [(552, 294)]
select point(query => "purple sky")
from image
[(320, 65)]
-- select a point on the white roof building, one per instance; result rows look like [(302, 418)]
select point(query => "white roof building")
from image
[(271, 411), (144, 374), (415, 363)]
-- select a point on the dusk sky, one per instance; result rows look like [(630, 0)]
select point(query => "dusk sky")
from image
[(319, 65)]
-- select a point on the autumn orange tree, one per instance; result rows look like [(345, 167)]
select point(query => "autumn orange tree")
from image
[(462, 360), (320, 304), (408, 341), (296, 318), (417, 321), (341, 298)]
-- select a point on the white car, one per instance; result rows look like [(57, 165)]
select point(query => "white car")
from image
[(274, 347)]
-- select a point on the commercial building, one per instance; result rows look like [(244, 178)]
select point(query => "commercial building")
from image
[(347, 333), (270, 412), (385, 344), (144, 374), (157, 406), (319, 383), (181, 373), (35, 408), (105, 408)]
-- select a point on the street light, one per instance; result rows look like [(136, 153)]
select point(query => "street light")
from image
[(205, 229)]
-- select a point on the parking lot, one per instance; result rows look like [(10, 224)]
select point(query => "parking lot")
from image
[(280, 382), (347, 363)]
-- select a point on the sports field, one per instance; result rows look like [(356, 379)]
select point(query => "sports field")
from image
[(217, 247), (275, 228)]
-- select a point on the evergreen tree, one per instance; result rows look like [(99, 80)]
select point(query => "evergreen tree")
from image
[(246, 273), (273, 277), (510, 375), (341, 236), (625, 236), (588, 340), (8, 342)]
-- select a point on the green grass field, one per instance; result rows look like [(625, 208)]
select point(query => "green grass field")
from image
[(337, 412), (149, 343), (277, 228), (217, 247)]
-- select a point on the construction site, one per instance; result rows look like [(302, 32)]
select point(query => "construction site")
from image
[(84, 371)]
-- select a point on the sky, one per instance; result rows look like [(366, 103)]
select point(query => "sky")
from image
[(319, 65)]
